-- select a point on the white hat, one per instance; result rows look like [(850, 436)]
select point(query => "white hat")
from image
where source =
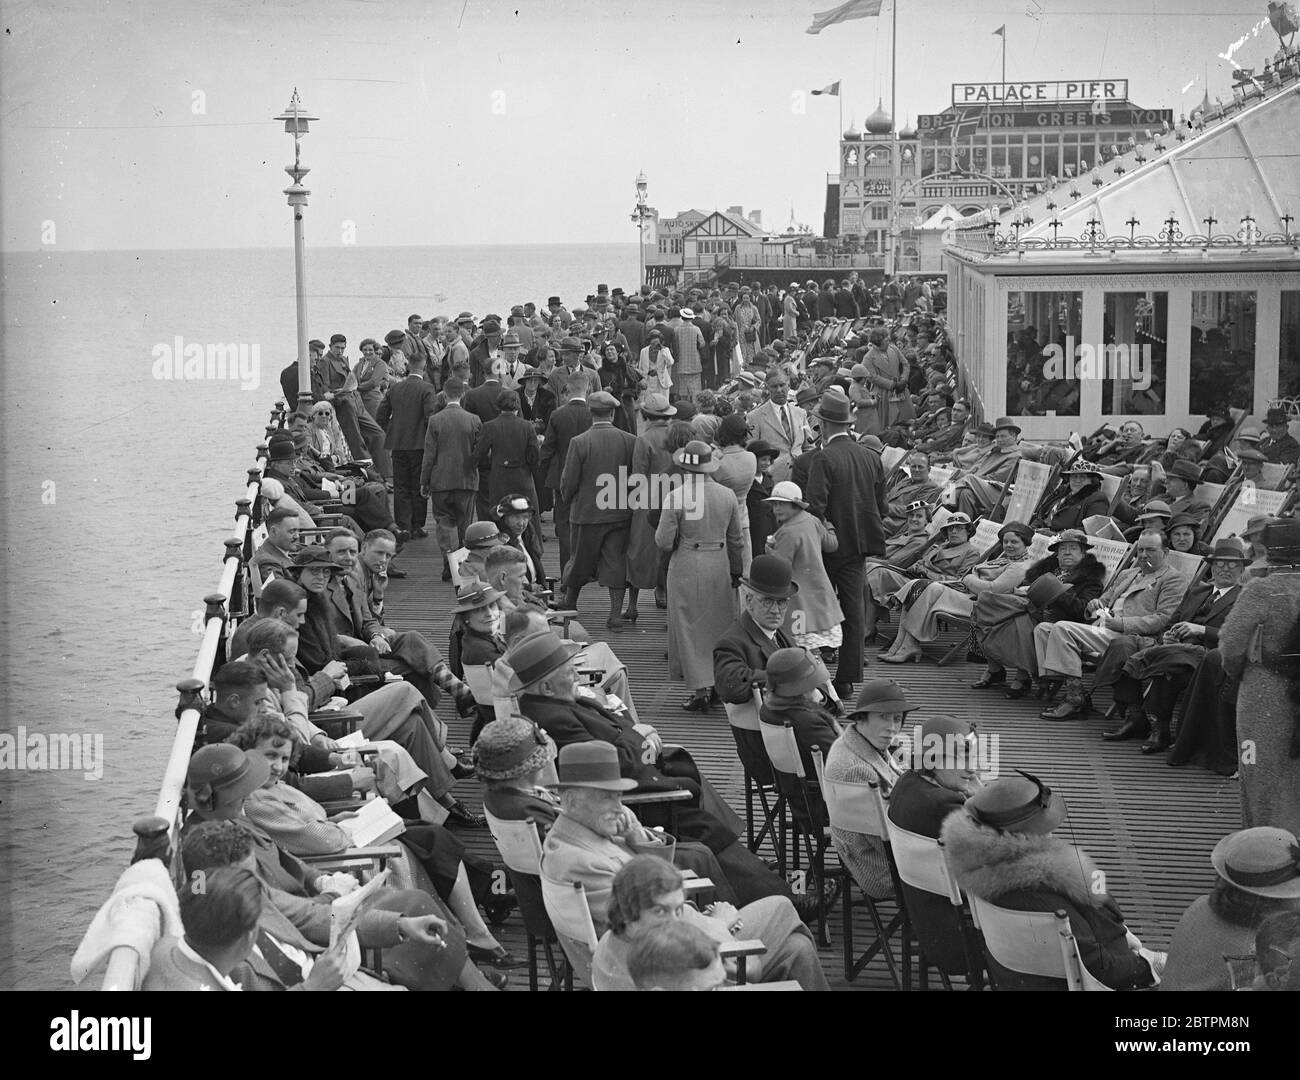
[(687, 313), (787, 491)]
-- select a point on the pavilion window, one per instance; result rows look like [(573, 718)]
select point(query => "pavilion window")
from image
[(1223, 350), (1037, 382), (1288, 374), (1135, 329)]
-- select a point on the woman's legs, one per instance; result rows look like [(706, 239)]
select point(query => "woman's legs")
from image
[(461, 902)]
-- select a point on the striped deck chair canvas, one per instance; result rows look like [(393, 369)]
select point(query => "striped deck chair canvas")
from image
[(1112, 554), (1031, 482)]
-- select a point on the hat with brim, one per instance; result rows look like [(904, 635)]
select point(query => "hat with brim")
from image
[(697, 457), (1005, 423), (959, 519), (532, 373), (987, 430), (1184, 470), (1179, 520), (228, 769), (510, 748), (758, 447), (1155, 509), (834, 407), (1249, 453), (570, 344), (602, 401), (536, 656), (1229, 549), (514, 504), (657, 405), (881, 696), (1070, 536), (793, 672), (473, 596), (483, 535), (1275, 415), (1017, 804), (806, 396), (771, 575), (919, 504), (1045, 590), (827, 361), (1083, 467), (1264, 861), (787, 491), (312, 557), (591, 764)]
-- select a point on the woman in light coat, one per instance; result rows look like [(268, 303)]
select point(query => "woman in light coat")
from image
[(737, 468), (886, 376), (814, 616), (920, 623), (748, 327), (700, 526)]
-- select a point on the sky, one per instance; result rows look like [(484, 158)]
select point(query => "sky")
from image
[(129, 125)]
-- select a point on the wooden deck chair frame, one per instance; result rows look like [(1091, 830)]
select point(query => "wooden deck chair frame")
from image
[(520, 848), (859, 808), (1025, 508), (576, 929), (922, 865), (746, 718), (1032, 943), (809, 830)]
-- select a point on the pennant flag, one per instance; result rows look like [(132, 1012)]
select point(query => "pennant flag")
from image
[(854, 9), (1001, 32), (833, 89)]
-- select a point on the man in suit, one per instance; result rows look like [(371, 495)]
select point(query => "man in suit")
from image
[(846, 489), (404, 415), (1141, 602), (780, 423), (598, 460), (571, 364), (483, 353), (1181, 479), (506, 454), (1167, 668), (275, 554), (570, 419), (482, 399), (911, 486), (448, 473), (1279, 446)]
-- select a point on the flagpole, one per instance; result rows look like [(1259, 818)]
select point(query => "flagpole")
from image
[(1004, 59), (896, 174)]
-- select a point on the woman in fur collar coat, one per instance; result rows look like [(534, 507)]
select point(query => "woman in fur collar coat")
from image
[(1259, 642), (1001, 849)]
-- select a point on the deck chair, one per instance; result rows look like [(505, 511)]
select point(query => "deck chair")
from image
[(1033, 478), (859, 808), (1112, 554), (455, 560), (1273, 476), (520, 848), (1248, 503), (1111, 487), (921, 866), (806, 822), (760, 784), (1033, 943), (986, 535), (1187, 564)]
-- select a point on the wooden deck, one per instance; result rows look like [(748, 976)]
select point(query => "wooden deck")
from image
[(1148, 827)]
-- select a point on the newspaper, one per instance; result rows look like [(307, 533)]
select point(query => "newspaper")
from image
[(346, 911)]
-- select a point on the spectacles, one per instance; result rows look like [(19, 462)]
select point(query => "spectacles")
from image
[(771, 603)]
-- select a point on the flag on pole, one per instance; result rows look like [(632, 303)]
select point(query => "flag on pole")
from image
[(854, 9), (833, 89), (1001, 32)]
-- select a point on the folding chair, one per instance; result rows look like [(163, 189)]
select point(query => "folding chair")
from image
[(746, 730), (521, 851), (921, 866), (807, 817), (1033, 478), (858, 808), (1032, 943), (455, 560)]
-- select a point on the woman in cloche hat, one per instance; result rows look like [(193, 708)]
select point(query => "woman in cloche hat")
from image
[(1002, 848), (700, 526)]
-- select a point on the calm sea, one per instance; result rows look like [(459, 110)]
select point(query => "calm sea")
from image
[(117, 491)]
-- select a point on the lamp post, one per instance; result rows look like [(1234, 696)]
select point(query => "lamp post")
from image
[(295, 123), (640, 214)]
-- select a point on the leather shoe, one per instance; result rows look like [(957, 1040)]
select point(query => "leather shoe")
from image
[(697, 703), (844, 690), (402, 535), (393, 572), (661, 599), (1016, 690), (1159, 739), (989, 679), (499, 979), (498, 957), (461, 814), (461, 771), (419, 534), (1130, 729)]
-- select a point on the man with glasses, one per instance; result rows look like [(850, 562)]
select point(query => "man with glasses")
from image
[(1140, 601)]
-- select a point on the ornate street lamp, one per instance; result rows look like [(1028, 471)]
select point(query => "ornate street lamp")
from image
[(295, 123), (641, 213)]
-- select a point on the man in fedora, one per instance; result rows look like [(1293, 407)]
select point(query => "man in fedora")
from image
[(779, 422), (1139, 601), (595, 836), (1278, 446), (545, 681), (1147, 682), (846, 489), (572, 364), (978, 488), (598, 460), (1181, 479)]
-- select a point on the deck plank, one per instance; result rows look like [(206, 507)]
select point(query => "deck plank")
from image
[(1148, 827)]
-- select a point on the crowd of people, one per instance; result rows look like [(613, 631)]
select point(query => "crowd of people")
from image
[(785, 472)]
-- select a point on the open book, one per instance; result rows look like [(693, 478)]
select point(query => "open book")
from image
[(375, 823)]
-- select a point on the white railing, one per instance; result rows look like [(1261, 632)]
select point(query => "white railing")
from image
[(121, 972)]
